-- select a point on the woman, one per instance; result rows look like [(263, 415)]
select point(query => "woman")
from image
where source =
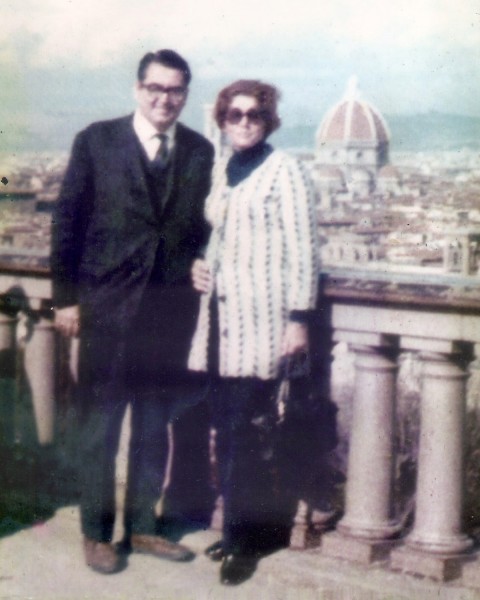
[(258, 282)]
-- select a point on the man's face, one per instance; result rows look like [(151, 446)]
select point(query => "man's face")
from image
[(161, 96)]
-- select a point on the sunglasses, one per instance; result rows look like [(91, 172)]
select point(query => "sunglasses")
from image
[(234, 116)]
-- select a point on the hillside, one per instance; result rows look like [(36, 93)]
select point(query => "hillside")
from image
[(413, 133)]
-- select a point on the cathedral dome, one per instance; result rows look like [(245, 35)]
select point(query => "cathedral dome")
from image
[(353, 135), (353, 120)]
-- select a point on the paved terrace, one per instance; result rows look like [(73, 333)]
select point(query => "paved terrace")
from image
[(45, 562), (40, 545)]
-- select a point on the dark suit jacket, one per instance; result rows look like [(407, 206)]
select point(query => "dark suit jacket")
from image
[(106, 231)]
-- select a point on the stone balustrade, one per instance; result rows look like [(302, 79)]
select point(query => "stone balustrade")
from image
[(26, 325), (440, 322), (378, 317)]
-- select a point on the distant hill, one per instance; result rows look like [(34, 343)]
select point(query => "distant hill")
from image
[(413, 133), (434, 131)]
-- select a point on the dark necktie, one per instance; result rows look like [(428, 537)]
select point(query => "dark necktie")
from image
[(161, 157)]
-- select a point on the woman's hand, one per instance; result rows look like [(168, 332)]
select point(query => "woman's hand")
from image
[(201, 277), (295, 339), (67, 320)]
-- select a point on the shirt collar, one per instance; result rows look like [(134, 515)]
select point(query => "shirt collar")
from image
[(146, 131)]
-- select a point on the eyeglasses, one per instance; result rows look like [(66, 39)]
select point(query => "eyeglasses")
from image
[(235, 115), (155, 90)]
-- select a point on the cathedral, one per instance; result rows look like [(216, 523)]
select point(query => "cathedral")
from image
[(352, 150)]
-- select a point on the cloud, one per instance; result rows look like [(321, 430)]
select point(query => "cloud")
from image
[(95, 33), (410, 55), (405, 23)]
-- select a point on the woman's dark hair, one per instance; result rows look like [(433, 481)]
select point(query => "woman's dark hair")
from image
[(266, 95), (167, 58)]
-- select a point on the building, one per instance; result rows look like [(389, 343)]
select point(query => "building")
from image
[(354, 138)]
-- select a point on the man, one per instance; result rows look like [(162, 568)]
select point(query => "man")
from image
[(129, 223)]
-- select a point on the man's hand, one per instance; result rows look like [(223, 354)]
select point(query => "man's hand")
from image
[(295, 339), (67, 320), (201, 277)]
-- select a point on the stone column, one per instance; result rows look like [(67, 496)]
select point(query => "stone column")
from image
[(471, 572), (438, 513), (8, 325), (300, 529), (473, 384), (437, 533), (368, 501), (314, 490), (40, 373), (73, 359), (369, 520)]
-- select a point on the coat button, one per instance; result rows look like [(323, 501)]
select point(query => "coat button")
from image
[(225, 333), (222, 298)]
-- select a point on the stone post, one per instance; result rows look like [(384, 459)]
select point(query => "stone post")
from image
[(473, 384), (313, 490), (368, 510), (40, 373), (73, 359), (368, 521), (8, 325), (437, 538)]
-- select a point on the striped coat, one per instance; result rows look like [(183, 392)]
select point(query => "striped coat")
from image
[(263, 256)]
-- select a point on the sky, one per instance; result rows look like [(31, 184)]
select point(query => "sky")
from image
[(66, 63)]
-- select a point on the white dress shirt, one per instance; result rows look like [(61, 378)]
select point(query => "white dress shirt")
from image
[(148, 135)]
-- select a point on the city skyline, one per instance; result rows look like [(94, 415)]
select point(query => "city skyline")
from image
[(65, 64)]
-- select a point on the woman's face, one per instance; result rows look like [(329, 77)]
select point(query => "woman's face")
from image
[(244, 124)]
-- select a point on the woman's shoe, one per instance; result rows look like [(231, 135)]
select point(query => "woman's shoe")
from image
[(215, 551), (237, 568)]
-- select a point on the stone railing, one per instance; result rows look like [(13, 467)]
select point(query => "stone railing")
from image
[(26, 330), (379, 316)]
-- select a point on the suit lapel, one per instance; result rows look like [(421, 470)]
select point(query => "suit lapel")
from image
[(172, 177), (181, 167), (129, 155)]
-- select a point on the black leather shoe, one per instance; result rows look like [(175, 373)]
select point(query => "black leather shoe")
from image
[(215, 551), (236, 569)]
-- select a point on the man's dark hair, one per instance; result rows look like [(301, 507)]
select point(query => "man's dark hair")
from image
[(167, 58)]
